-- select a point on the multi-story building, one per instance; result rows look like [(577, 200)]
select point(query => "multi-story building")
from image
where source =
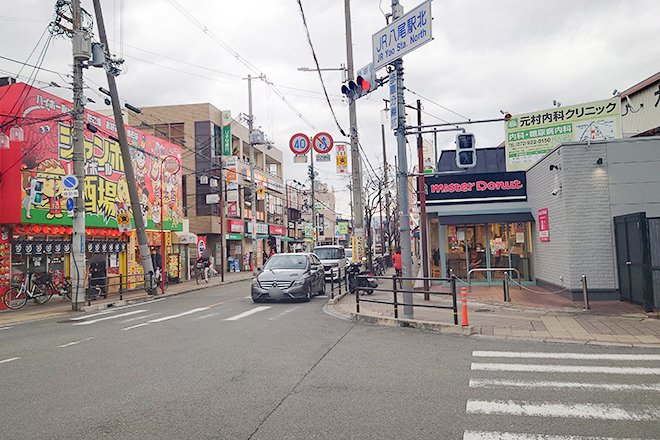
[(216, 181)]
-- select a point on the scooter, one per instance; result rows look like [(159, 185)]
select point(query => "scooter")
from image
[(360, 278)]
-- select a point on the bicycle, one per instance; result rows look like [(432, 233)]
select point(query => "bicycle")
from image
[(201, 272), (46, 279), (16, 297), (158, 279)]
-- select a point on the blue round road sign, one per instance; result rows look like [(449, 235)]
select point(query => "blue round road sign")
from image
[(70, 181)]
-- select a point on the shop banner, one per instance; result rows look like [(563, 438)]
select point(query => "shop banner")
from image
[(544, 228), (470, 188), (48, 156), (528, 137), (276, 230), (235, 225), (201, 246), (226, 133)]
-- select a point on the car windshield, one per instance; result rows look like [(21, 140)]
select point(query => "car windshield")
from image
[(286, 262), (349, 253), (328, 253)]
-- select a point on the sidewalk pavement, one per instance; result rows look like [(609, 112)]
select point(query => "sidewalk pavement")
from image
[(61, 306), (534, 314)]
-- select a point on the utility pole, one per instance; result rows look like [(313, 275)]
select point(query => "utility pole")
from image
[(356, 175), (78, 265), (140, 230), (312, 176), (421, 189), (404, 223), (253, 180)]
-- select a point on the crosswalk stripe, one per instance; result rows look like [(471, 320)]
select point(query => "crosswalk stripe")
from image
[(581, 356), (283, 313), (9, 360), (531, 368), (495, 383), (480, 435), (248, 313), (574, 410), (121, 315)]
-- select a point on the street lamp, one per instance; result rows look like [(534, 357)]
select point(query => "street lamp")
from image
[(162, 216)]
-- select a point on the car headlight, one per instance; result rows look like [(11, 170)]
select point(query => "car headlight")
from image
[(299, 282), (255, 282)]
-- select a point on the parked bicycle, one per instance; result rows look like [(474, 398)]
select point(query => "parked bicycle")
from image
[(46, 279), (16, 297), (202, 272), (158, 279)]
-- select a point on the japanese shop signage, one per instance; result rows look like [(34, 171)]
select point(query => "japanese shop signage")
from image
[(235, 225), (531, 135), (276, 230), (226, 133), (48, 156), (402, 36), (544, 229), (490, 187)]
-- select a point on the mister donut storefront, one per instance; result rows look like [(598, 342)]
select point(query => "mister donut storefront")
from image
[(479, 221)]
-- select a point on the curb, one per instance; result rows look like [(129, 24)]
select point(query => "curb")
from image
[(421, 325)]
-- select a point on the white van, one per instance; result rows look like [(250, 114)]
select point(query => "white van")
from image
[(333, 259)]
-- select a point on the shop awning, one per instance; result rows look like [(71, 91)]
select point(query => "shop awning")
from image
[(184, 237), (285, 238), (506, 217), (262, 237)]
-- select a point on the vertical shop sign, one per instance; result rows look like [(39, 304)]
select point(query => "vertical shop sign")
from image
[(544, 230), (201, 246), (226, 133)]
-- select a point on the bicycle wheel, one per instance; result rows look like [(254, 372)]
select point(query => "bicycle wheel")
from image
[(14, 298), (41, 293), (160, 285), (198, 275)]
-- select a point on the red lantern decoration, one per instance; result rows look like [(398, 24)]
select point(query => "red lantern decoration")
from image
[(46, 229), (69, 230), (36, 228), (18, 230)]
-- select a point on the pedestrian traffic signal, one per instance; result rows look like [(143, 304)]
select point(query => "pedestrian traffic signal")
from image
[(36, 192), (466, 153)]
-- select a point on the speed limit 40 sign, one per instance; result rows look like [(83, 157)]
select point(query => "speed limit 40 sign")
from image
[(299, 143)]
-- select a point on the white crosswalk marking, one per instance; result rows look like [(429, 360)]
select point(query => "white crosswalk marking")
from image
[(478, 435), (575, 410), (570, 398), (248, 313), (9, 360)]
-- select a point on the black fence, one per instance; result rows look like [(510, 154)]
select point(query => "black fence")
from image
[(397, 283), (118, 285)]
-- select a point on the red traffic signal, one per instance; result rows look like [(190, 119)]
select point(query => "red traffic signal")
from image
[(363, 83)]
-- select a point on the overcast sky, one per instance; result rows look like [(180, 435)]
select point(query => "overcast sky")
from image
[(486, 56)]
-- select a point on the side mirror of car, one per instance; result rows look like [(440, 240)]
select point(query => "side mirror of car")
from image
[(260, 268)]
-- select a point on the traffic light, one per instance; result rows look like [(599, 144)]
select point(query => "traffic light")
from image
[(36, 192), (364, 84), (466, 153)]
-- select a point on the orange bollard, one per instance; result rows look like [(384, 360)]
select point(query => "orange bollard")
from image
[(464, 301)]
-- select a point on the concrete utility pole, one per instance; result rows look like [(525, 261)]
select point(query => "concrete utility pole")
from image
[(140, 230), (253, 181), (386, 184), (356, 175), (78, 266), (404, 222), (312, 176)]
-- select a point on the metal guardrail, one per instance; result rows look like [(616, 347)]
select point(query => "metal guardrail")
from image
[(395, 291), (492, 269), (123, 283)]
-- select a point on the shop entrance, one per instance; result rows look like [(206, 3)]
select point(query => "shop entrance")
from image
[(487, 245)]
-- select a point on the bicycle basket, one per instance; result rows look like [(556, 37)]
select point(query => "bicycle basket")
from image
[(42, 277), (200, 266)]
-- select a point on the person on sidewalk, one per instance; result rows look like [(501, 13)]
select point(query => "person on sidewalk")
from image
[(396, 258), (204, 261)]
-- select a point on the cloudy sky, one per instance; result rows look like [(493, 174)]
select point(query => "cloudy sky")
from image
[(486, 56)]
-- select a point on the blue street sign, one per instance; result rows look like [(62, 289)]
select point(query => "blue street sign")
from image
[(69, 204)]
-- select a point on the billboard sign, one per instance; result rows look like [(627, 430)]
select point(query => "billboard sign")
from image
[(528, 137)]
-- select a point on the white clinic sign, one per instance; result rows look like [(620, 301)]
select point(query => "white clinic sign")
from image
[(402, 36)]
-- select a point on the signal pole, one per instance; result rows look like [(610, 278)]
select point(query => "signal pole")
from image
[(404, 213), (253, 180), (78, 266)]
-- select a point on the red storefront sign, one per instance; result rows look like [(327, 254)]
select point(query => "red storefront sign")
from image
[(235, 225), (544, 230), (276, 230)]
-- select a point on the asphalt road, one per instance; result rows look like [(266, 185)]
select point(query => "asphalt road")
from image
[(214, 365)]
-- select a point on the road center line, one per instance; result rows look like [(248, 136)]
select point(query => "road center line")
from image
[(121, 315), (592, 411), (564, 369), (9, 360), (248, 313), (136, 326), (581, 356), (74, 343)]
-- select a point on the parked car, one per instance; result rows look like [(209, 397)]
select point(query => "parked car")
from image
[(333, 259), (349, 255), (289, 276)]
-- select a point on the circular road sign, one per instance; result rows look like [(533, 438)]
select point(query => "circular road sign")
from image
[(70, 181), (322, 143), (299, 143)]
